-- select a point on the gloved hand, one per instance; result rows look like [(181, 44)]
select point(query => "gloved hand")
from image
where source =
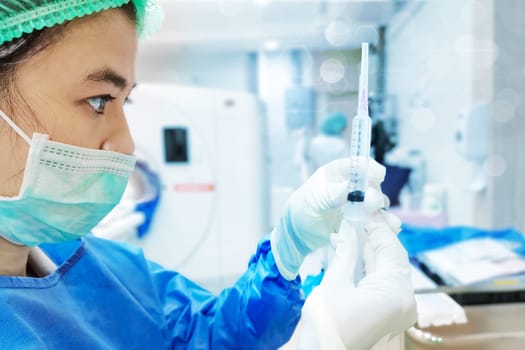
[(314, 212), (341, 315)]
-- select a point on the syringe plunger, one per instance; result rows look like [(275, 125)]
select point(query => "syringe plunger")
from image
[(363, 81)]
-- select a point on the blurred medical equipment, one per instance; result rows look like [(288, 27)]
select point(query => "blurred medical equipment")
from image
[(384, 140), (472, 138), (133, 216), (300, 106), (384, 136), (299, 100), (420, 203), (208, 149), (433, 201), (354, 214), (330, 144), (396, 178), (300, 111), (301, 139), (409, 196)]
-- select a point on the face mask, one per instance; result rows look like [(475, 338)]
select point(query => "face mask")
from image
[(65, 192)]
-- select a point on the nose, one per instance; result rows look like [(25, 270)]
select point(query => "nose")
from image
[(120, 140)]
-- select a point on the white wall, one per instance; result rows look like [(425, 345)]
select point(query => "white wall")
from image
[(506, 189), (275, 76), (226, 70), (429, 71)]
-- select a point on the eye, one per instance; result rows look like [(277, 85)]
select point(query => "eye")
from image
[(98, 103)]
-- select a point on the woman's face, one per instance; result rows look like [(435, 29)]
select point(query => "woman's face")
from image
[(75, 89)]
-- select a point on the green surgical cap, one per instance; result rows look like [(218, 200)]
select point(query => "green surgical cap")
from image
[(18, 17)]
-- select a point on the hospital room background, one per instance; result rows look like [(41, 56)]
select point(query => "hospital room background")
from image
[(232, 96)]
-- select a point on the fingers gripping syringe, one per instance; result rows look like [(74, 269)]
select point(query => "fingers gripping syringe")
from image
[(354, 213)]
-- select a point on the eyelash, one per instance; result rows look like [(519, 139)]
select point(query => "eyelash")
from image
[(98, 103)]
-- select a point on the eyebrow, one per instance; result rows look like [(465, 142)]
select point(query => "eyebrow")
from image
[(110, 76)]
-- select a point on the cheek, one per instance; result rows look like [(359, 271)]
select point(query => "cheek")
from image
[(81, 138), (12, 163), (78, 126)]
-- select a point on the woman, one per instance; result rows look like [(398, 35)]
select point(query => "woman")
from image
[(67, 67)]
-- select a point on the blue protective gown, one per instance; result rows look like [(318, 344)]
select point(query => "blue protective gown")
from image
[(106, 295)]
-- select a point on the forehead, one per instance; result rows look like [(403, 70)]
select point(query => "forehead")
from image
[(106, 39)]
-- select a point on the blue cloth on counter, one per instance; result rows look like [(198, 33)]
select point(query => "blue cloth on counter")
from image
[(419, 239), (106, 295)]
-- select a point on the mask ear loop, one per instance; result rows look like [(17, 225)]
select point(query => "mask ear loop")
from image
[(15, 127)]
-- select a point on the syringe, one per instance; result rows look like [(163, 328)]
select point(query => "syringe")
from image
[(354, 212)]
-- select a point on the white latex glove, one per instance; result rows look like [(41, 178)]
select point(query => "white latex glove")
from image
[(314, 212), (340, 315)]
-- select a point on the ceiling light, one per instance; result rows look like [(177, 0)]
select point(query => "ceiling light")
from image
[(261, 2), (271, 45)]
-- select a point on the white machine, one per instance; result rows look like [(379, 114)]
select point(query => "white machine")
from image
[(208, 147)]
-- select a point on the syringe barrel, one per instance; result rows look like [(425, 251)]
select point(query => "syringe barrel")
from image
[(354, 220), (359, 155)]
